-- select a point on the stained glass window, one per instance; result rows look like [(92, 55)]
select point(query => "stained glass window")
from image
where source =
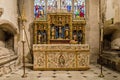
[(79, 8), (66, 4), (51, 5), (39, 9)]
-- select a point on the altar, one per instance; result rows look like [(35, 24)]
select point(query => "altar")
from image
[(61, 56), (59, 35)]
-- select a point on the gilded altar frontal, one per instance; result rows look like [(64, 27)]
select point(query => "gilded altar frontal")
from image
[(59, 39)]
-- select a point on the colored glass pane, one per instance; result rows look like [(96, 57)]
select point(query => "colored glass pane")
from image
[(51, 5), (39, 9), (79, 8), (66, 4)]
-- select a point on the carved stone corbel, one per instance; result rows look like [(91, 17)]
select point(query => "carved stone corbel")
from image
[(1, 11)]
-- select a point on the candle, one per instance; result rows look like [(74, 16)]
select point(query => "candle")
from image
[(101, 34), (23, 35)]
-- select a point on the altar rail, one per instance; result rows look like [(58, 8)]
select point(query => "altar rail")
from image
[(61, 56)]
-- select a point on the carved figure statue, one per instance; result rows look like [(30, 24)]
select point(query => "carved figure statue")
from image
[(67, 31), (60, 32), (75, 37), (61, 61), (44, 36), (53, 33), (80, 36), (39, 38)]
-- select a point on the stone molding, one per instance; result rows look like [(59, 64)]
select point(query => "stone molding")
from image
[(9, 25)]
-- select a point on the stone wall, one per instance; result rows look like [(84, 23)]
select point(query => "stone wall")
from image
[(116, 6), (9, 11), (112, 10), (93, 36), (8, 24), (9, 16)]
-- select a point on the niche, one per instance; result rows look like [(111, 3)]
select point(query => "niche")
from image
[(6, 39)]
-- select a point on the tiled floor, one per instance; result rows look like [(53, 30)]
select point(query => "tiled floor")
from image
[(91, 74)]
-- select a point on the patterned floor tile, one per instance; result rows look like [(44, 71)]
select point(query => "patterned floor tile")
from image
[(91, 74), (54, 76), (70, 76)]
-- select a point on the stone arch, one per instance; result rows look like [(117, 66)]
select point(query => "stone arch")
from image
[(113, 33), (8, 38), (5, 24), (8, 34)]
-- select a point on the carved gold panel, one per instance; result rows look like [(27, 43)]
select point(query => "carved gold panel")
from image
[(61, 56)]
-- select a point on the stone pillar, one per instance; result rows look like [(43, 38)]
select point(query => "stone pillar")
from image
[(94, 30)]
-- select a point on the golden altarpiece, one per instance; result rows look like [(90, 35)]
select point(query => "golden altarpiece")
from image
[(59, 38)]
